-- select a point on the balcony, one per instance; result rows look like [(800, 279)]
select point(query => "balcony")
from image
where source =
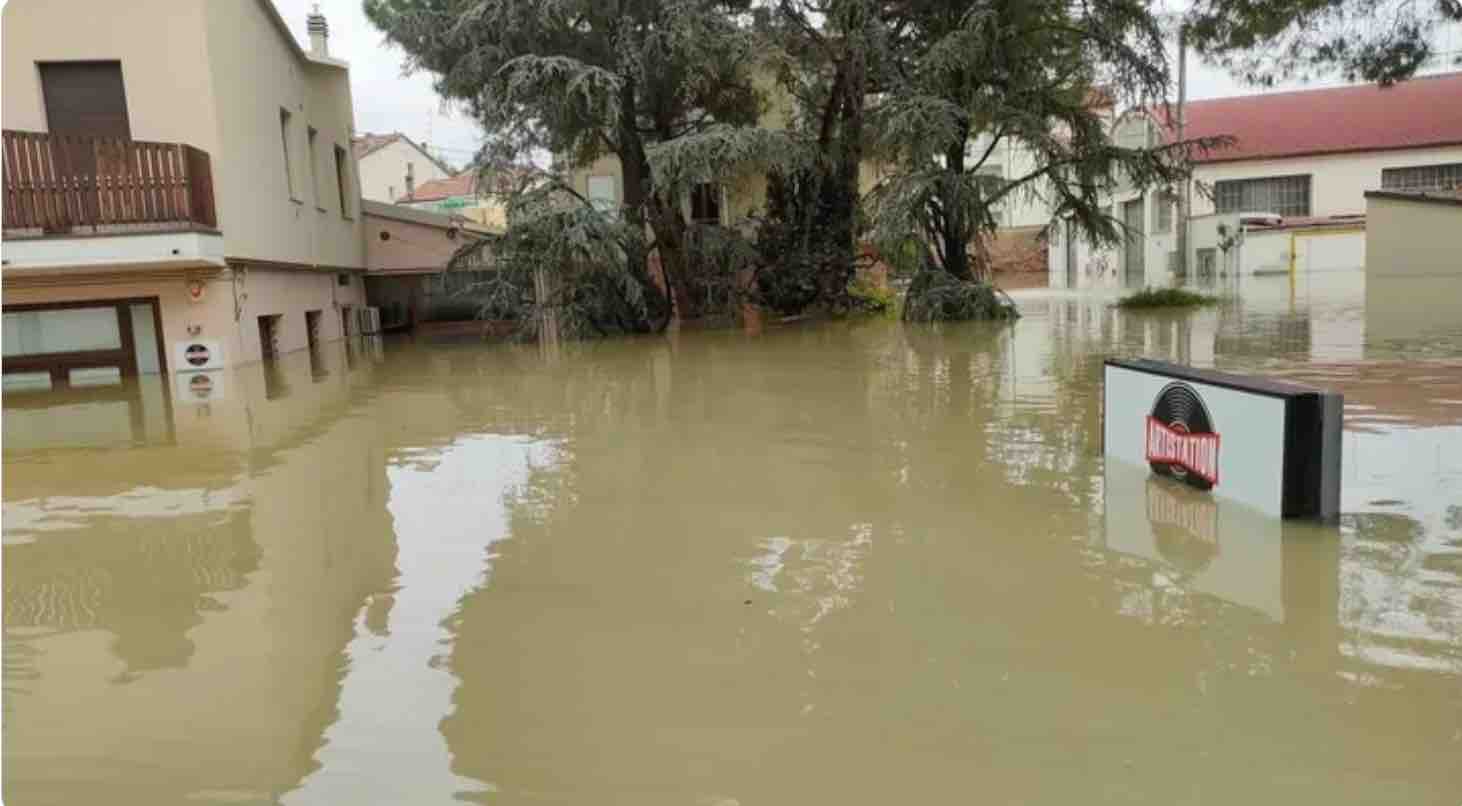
[(64, 193)]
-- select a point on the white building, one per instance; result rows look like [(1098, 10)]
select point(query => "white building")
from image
[(1301, 162), (392, 166), (180, 190)]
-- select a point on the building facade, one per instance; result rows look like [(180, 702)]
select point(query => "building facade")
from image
[(408, 252), (392, 166), (194, 205), (1287, 193)]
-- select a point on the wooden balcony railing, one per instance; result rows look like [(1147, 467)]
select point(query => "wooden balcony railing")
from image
[(64, 184)]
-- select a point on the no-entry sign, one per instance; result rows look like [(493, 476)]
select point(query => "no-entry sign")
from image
[(1272, 446)]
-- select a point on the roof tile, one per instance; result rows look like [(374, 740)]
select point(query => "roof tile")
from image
[(1421, 112)]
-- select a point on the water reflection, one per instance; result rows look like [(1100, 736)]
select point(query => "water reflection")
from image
[(824, 563)]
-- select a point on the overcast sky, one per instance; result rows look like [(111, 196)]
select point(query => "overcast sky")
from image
[(387, 101)]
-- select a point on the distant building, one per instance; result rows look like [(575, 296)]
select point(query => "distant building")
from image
[(467, 195), (1300, 161), (392, 166), (176, 175), (408, 251)]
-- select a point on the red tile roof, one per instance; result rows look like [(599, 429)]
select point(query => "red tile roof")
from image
[(1413, 114), (463, 184)]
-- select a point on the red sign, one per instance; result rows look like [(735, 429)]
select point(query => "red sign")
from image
[(1194, 453), (197, 355)]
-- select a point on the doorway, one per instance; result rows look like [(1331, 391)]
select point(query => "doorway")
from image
[(1133, 271)]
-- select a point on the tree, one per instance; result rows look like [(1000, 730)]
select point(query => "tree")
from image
[(967, 78), (813, 214), (663, 85), (1365, 40)]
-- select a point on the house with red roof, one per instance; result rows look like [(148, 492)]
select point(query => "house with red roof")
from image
[(469, 195), (393, 165), (1298, 160)]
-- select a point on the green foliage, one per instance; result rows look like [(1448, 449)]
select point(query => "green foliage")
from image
[(868, 299), (1165, 298), (967, 80), (936, 295), (663, 85), (1363, 40), (561, 257)]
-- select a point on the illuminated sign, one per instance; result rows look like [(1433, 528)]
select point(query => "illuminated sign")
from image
[(1272, 446)]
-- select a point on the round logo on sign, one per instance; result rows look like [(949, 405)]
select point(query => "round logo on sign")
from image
[(1181, 440), (201, 386), (197, 355)]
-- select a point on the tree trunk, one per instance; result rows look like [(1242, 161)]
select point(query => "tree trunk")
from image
[(634, 179), (956, 238), (850, 154), (670, 241)]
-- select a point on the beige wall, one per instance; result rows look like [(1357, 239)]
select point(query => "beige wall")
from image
[(213, 75), (252, 294), (159, 43), (1413, 238), (256, 73), (383, 171), (1338, 183), (410, 246)]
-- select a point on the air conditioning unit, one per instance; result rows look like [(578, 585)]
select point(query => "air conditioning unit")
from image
[(368, 321)]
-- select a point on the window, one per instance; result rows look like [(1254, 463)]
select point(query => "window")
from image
[(705, 203), (601, 194), (1447, 176), (85, 98), (269, 337), (1162, 212), (64, 330), (284, 117), (342, 279), (314, 170), (1285, 195), (342, 181)]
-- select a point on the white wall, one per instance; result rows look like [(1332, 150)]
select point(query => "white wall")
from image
[(383, 171), (1338, 181), (255, 73)]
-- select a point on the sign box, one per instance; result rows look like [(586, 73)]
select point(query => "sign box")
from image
[(1269, 445), (196, 355)]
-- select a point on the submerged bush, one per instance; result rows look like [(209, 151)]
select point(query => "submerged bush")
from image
[(936, 295), (864, 297), (1166, 298)]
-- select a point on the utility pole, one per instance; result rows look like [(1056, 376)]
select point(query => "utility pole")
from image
[(1185, 196)]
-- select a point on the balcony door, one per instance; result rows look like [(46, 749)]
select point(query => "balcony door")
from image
[(86, 99)]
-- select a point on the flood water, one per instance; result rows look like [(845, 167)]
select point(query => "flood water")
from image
[(824, 563)]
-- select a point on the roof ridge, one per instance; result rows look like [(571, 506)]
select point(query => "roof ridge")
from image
[(1333, 88)]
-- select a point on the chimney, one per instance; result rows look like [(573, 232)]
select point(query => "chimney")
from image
[(319, 33), (410, 178)]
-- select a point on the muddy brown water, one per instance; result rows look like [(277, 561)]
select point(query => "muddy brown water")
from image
[(827, 563)]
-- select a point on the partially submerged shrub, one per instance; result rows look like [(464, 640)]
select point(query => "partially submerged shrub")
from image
[(936, 295), (1166, 298), (865, 297)]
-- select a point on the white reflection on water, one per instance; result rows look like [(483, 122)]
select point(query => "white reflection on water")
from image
[(448, 510)]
